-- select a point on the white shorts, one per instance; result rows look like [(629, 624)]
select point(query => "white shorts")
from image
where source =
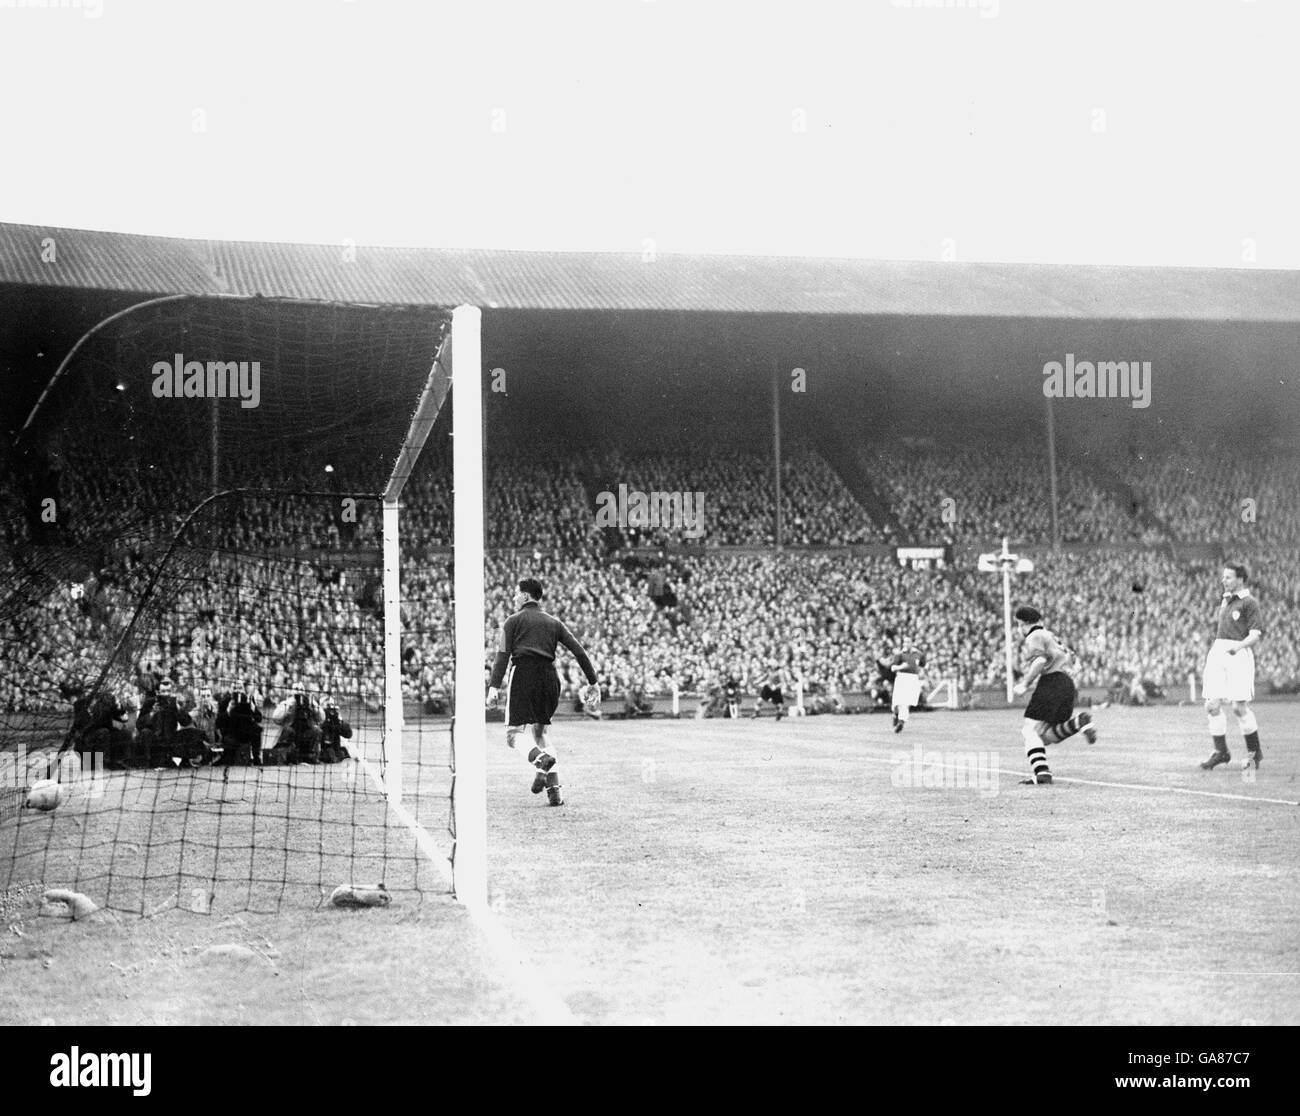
[(1228, 677), (907, 690)]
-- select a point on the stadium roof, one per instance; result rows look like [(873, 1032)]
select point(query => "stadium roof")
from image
[(105, 261)]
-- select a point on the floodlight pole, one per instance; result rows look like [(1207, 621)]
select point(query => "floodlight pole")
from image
[(776, 455), (1007, 560), (1051, 476), (1008, 564)]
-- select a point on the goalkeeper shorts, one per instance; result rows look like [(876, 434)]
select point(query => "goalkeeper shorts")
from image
[(534, 691)]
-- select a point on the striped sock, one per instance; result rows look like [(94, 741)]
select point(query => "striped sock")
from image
[(1036, 751), (1068, 728)]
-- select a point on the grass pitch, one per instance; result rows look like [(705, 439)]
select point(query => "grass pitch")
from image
[(806, 871), (763, 872)]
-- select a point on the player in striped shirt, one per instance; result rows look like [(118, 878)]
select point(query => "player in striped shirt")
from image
[(1230, 669), (1049, 716)]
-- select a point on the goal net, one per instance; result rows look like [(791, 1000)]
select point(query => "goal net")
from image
[(199, 638)]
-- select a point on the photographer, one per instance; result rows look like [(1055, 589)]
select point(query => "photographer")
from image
[(334, 730), (239, 722), (201, 737), (299, 717), (161, 722), (99, 727)]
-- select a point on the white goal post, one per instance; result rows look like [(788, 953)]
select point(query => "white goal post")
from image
[(459, 357), (469, 866)]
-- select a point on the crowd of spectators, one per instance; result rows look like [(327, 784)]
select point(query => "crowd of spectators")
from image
[(269, 603), (736, 486), (946, 489), (1235, 492)]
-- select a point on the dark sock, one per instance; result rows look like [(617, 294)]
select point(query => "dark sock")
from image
[(1252, 741), (1220, 743)]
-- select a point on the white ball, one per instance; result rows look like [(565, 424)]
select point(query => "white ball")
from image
[(46, 794)]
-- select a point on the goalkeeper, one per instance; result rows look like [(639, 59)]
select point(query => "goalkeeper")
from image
[(528, 640)]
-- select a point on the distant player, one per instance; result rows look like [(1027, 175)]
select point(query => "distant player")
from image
[(772, 692), (906, 665), (1230, 669), (528, 641), (1049, 716), (731, 695)]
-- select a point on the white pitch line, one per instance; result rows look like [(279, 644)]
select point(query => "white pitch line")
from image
[(1099, 783), (1196, 972), (1176, 790), (550, 1008)]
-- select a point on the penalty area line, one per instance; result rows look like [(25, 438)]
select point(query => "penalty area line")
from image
[(550, 1008), (1175, 790), (1115, 786)]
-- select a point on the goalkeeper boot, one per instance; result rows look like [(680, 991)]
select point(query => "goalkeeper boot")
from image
[(539, 782), (1215, 759), (541, 760), (1043, 780), (553, 791)]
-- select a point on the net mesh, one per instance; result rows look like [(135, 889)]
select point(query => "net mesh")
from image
[(191, 627)]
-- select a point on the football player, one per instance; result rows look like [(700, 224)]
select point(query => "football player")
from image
[(1049, 716), (529, 639), (1230, 669), (906, 692)]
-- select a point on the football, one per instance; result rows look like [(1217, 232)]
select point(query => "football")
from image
[(46, 794)]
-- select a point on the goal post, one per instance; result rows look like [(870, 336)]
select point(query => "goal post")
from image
[(469, 725)]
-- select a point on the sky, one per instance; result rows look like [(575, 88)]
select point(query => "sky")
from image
[(1054, 131)]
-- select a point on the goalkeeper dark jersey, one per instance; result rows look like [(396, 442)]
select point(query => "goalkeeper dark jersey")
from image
[(532, 633)]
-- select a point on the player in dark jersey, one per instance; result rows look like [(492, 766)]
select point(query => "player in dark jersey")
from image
[(731, 693), (773, 691), (528, 641), (1230, 669), (1049, 716), (906, 692)]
